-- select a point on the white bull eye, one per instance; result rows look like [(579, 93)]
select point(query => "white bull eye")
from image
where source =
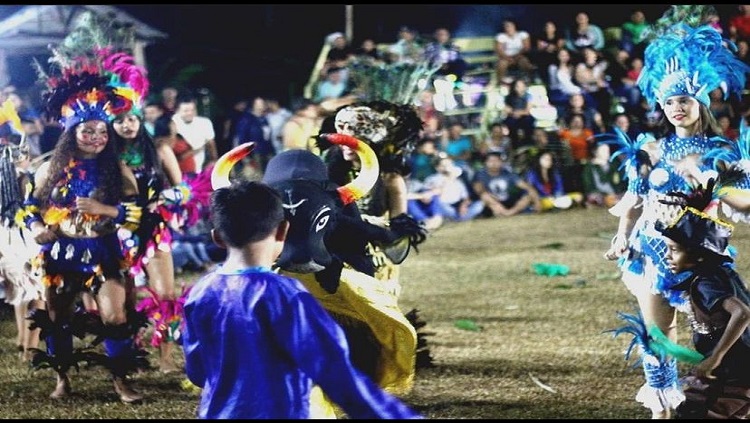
[(321, 219)]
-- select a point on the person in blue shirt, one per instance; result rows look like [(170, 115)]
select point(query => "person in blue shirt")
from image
[(257, 342)]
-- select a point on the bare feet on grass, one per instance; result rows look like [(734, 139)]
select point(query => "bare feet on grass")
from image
[(126, 393), (62, 389)]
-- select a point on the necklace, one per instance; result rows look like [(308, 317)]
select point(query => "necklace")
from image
[(675, 148), (132, 155)]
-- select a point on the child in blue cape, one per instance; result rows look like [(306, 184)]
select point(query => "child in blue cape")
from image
[(258, 343)]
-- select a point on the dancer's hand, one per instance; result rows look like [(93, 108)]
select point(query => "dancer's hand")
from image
[(705, 367), (90, 206), (617, 248), (42, 234)]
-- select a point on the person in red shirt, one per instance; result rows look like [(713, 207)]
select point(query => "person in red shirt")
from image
[(739, 25)]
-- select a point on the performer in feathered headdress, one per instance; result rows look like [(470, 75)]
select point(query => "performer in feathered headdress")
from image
[(684, 61), (80, 198), (387, 120), (168, 202)]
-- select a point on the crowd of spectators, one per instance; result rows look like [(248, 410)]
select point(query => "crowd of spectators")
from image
[(460, 172)]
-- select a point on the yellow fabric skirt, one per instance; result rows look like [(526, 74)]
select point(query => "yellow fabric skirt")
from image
[(368, 300)]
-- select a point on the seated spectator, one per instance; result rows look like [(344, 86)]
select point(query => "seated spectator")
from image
[(583, 35), (190, 249), (333, 86), (720, 107), (368, 50), (433, 118), (562, 85), (300, 129), (423, 158), (546, 46), (739, 24), (498, 140), (458, 146), (513, 47), (502, 191), (441, 51), (518, 114), (623, 122), (408, 48), (603, 185), (340, 54), (423, 204), (633, 31), (624, 87), (454, 195), (728, 131), (545, 176), (577, 104), (591, 75), (578, 139)]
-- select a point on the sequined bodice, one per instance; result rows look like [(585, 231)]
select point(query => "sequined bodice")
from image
[(675, 148), (80, 179)]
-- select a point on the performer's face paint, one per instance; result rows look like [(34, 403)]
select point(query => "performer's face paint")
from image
[(91, 138)]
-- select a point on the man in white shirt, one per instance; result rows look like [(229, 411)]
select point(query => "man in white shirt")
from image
[(198, 131)]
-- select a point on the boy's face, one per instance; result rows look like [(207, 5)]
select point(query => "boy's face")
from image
[(678, 257)]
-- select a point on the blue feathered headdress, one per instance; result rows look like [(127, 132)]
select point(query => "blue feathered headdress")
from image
[(683, 59)]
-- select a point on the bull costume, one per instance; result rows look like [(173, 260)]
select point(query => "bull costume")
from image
[(325, 250), (683, 63), (79, 200)]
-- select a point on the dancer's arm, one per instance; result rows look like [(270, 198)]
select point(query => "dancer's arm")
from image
[(739, 320)]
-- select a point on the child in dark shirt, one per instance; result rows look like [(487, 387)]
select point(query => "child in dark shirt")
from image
[(718, 386)]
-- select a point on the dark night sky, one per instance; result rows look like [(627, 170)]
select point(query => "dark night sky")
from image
[(271, 49)]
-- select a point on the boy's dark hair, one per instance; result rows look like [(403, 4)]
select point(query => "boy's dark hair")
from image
[(245, 212), (186, 97)]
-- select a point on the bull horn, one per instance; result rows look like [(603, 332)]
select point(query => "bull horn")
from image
[(220, 173), (369, 173)]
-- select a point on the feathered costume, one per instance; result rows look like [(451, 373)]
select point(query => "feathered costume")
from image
[(16, 248), (680, 60), (387, 120), (381, 339), (87, 250)]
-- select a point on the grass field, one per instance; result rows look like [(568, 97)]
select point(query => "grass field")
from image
[(532, 331)]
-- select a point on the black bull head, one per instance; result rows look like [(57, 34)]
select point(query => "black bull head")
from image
[(326, 229)]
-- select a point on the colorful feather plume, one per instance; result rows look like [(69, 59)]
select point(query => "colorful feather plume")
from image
[(631, 154), (652, 340), (636, 327), (9, 115), (396, 83), (688, 57), (93, 80)]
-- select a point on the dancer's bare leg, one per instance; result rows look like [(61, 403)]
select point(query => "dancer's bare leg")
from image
[(31, 336), (111, 300), (21, 327)]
